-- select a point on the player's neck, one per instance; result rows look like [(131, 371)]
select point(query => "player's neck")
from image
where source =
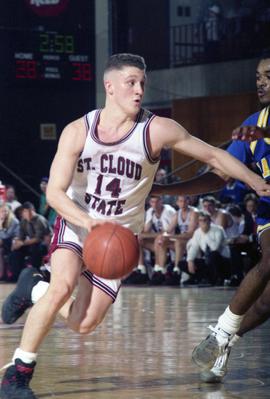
[(115, 123)]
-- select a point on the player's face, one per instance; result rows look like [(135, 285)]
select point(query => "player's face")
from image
[(208, 207), (182, 202), (155, 203), (263, 81), (126, 88)]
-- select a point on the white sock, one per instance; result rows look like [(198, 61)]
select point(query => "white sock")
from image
[(158, 268), (229, 322), (26, 357), (142, 269), (176, 269), (39, 290)]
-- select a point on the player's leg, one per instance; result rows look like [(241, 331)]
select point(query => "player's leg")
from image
[(253, 285), (255, 316), (65, 270), (91, 303)]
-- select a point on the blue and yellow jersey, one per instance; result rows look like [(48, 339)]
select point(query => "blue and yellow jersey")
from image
[(258, 151)]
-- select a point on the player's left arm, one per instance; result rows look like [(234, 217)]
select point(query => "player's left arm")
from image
[(165, 132)]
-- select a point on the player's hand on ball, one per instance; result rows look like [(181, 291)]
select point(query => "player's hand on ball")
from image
[(92, 223)]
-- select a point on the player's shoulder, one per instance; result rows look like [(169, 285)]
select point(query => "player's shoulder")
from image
[(169, 208), (159, 122), (76, 126)]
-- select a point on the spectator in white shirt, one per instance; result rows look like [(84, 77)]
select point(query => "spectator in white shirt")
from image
[(208, 254)]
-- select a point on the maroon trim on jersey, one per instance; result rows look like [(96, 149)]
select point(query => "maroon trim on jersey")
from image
[(87, 126), (146, 141), (58, 239), (94, 135), (100, 284)]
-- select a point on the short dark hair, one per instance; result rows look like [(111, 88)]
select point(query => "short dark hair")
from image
[(118, 61), (44, 179), (28, 205), (205, 215), (209, 198)]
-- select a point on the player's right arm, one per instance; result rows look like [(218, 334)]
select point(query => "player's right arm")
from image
[(70, 146)]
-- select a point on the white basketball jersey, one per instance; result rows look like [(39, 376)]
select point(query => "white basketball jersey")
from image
[(183, 225), (162, 222), (112, 180)]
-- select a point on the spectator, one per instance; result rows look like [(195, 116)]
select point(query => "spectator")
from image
[(161, 177), (11, 198), (32, 240), (44, 208), (9, 228), (218, 216), (184, 223), (250, 207), (210, 241), (157, 220)]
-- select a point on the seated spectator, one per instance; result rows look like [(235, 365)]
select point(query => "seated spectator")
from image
[(184, 223), (11, 198), (161, 177), (208, 255), (31, 242), (219, 216), (44, 208), (250, 208), (9, 228), (243, 246), (157, 219)]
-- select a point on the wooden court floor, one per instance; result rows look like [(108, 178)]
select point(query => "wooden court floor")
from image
[(142, 350)]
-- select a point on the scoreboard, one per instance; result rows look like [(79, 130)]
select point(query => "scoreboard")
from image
[(48, 56), (47, 78)]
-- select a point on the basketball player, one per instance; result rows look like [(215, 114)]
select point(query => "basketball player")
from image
[(102, 171), (250, 305), (185, 222), (157, 219)]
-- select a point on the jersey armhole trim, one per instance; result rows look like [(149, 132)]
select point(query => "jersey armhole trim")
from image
[(146, 140)]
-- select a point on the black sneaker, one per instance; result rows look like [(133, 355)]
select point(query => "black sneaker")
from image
[(172, 278), (19, 300), (136, 277), (158, 278), (190, 281), (15, 383)]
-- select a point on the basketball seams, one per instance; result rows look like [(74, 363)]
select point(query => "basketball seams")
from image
[(110, 251)]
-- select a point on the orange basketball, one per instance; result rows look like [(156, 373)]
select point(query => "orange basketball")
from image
[(111, 251)]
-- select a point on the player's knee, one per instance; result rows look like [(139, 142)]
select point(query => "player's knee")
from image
[(59, 295), (264, 267), (263, 307), (88, 327)]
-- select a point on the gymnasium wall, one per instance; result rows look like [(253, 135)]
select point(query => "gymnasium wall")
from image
[(211, 119)]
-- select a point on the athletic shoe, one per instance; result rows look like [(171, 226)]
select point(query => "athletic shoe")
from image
[(206, 353), (158, 278), (136, 277), (15, 383), (172, 278), (19, 300), (219, 370)]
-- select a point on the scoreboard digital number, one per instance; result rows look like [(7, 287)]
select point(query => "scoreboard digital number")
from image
[(50, 56)]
